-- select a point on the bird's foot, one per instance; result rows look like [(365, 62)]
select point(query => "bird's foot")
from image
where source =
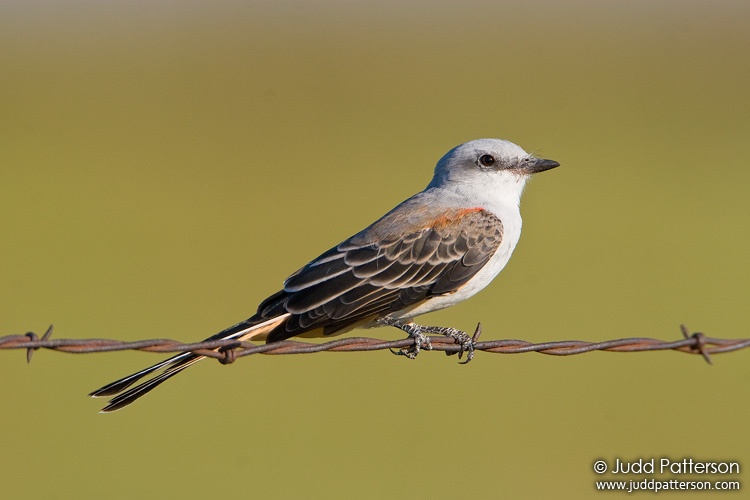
[(460, 337), (421, 341), (415, 332)]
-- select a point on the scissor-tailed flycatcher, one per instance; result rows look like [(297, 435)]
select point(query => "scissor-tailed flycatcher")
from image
[(435, 249)]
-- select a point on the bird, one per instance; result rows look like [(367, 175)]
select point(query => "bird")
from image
[(433, 250)]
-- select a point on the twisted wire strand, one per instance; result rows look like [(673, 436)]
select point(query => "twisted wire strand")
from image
[(226, 351)]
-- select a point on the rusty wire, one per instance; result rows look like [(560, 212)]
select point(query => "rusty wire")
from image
[(226, 351)]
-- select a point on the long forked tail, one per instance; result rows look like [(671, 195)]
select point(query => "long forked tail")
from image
[(174, 365)]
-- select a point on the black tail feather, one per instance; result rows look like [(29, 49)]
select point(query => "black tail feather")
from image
[(250, 328), (122, 400), (120, 385)]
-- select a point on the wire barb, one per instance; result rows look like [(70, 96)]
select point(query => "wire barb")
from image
[(227, 351), (34, 337), (700, 340)]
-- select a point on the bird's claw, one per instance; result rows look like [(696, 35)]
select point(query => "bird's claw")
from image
[(421, 341), (465, 342)]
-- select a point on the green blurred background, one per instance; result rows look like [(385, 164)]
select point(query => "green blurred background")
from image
[(165, 165)]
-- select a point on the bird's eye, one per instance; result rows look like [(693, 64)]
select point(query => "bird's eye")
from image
[(487, 160)]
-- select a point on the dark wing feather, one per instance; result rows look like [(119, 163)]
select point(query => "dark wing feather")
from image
[(379, 271)]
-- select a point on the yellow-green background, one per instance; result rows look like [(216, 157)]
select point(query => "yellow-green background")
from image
[(165, 165)]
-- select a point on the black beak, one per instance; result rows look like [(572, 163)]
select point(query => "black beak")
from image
[(536, 165)]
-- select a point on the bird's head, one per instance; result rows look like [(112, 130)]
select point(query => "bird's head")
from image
[(488, 168)]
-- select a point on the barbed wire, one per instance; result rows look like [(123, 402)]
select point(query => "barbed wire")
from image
[(226, 351)]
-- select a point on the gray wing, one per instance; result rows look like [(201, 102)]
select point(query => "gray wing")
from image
[(385, 269)]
